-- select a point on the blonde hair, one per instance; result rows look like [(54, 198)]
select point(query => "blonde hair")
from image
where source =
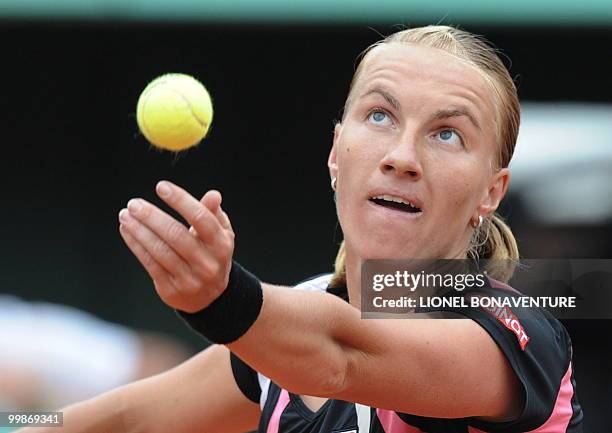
[(493, 240)]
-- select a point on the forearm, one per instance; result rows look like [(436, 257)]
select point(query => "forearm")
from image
[(300, 331), (133, 408), (105, 413)]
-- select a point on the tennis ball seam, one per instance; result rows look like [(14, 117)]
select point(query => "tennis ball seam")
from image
[(202, 123)]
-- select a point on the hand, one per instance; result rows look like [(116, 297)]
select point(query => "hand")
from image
[(189, 267)]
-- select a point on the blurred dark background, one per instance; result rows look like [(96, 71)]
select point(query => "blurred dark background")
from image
[(72, 154)]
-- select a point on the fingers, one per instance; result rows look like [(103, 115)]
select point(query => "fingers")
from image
[(167, 229), (187, 265), (198, 215), (224, 219), (157, 251), (212, 200), (155, 270)]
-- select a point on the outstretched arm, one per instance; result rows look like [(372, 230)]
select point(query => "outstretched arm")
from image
[(423, 367), (199, 395)]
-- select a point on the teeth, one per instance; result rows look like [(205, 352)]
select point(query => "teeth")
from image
[(394, 199)]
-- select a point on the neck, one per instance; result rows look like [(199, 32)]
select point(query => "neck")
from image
[(353, 279), (353, 273)]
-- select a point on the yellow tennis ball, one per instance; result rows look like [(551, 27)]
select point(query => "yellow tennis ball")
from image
[(174, 112)]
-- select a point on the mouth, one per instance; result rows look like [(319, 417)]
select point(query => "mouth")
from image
[(398, 203)]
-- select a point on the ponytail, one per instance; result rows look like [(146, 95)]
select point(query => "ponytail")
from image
[(339, 278), (495, 243)]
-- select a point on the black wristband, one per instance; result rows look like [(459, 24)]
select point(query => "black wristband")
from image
[(231, 315)]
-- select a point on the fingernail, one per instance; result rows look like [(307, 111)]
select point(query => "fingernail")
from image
[(134, 206), (163, 189), (124, 215)]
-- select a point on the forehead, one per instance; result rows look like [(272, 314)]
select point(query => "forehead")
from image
[(429, 74)]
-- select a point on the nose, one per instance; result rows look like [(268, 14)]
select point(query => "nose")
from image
[(402, 158)]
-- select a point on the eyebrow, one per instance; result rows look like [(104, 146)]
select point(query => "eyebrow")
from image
[(438, 115), (388, 97), (456, 112)]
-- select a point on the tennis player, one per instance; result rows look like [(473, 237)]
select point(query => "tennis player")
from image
[(419, 165)]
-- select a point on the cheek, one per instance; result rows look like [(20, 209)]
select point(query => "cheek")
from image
[(459, 189), (354, 156), (351, 174), (359, 146), (357, 160)]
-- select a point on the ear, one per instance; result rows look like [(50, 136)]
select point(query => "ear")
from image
[(332, 160), (498, 186)]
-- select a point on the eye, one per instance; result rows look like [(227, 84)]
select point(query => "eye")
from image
[(379, 116), (450, 136)]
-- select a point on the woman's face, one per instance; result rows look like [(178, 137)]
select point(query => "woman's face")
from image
[(419, 129)]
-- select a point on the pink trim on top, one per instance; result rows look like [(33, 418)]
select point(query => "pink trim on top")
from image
[(562, 412), (281, 404), (392, 423)]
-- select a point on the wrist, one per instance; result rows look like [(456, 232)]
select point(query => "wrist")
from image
[(233, 313)]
